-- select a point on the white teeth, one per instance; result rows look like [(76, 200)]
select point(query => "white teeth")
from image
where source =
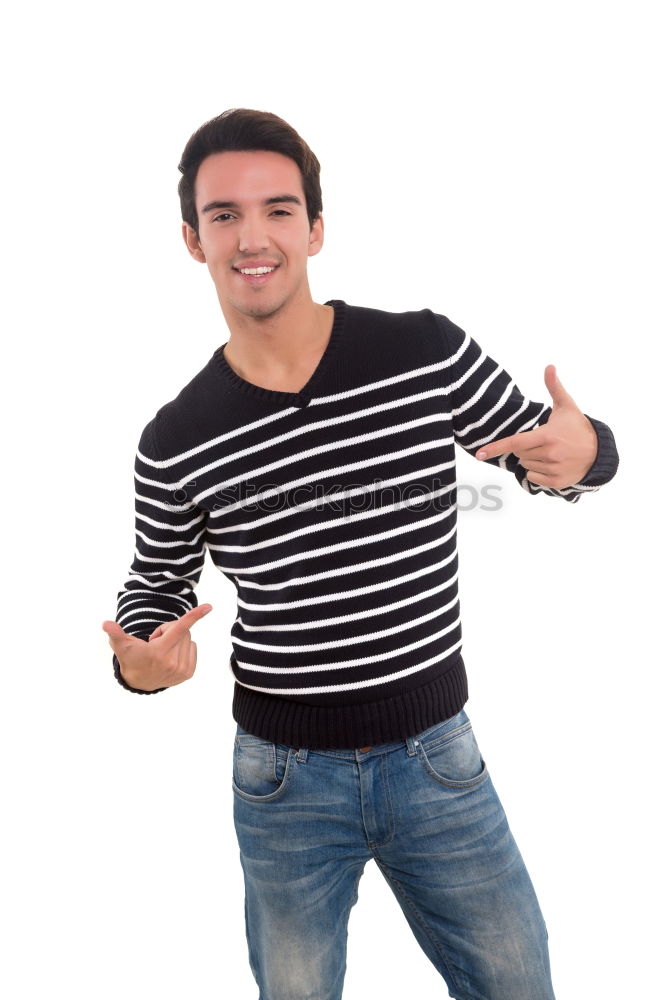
[(256, 270)]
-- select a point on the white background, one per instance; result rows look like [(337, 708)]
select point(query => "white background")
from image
[(501, 163)]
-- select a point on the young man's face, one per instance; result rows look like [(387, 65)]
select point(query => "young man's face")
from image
[(237, 228)]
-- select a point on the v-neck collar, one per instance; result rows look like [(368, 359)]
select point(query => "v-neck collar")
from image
[(304, 395)]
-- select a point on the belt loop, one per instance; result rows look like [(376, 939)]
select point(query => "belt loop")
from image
[(302, 755), (412, 744)]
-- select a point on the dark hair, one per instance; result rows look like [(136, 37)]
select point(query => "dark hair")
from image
[(244, 130)]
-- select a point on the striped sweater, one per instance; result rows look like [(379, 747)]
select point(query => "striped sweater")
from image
[(333, 512)]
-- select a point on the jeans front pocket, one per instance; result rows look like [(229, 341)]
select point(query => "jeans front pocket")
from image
[(452, 756), (261, 769)]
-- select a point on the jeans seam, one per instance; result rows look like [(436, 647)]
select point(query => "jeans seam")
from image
[(387, 791)]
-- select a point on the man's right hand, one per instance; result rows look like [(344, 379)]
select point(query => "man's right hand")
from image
[(168, 658)]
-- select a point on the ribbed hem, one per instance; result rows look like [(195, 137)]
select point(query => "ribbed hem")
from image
[(607, 460), (337, 727)]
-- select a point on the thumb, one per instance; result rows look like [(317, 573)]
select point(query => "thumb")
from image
[(558, 393), (113, 628), (118, 637)]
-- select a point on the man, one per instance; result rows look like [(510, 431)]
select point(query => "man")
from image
[(313, 456)]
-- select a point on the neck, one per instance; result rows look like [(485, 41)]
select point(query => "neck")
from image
[(281, 346)]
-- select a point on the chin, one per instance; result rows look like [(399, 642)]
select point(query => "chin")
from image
[(261, 307)]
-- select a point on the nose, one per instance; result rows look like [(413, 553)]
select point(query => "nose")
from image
[(253, 235)]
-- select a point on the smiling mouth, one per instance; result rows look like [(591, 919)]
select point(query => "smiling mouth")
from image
[(255, 278)]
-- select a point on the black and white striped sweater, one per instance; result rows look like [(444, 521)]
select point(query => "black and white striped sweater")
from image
[(333, 512)]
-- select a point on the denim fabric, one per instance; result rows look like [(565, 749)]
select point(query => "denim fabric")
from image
[(426, 811)]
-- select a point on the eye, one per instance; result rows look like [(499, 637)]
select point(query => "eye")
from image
[(284, 212), (220, 216)]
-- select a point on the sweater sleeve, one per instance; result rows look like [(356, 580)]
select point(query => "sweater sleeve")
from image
[(170, 550), (488, 405)]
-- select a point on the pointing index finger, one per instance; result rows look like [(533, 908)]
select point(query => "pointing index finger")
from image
[(517, 443), (494, 448), (186, 621)]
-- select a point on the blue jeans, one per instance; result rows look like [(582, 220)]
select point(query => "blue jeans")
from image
[(426, 811)]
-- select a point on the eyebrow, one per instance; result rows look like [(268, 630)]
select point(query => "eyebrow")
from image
[(214, 206)]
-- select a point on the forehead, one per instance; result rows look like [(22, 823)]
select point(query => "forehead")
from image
[(246, 176)]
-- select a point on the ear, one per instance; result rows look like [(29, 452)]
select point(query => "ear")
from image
[(316, 236), (192, 243)]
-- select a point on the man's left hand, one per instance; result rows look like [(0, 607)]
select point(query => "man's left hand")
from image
[(559, 453)]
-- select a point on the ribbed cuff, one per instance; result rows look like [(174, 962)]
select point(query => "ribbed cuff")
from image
[(607, 460)]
